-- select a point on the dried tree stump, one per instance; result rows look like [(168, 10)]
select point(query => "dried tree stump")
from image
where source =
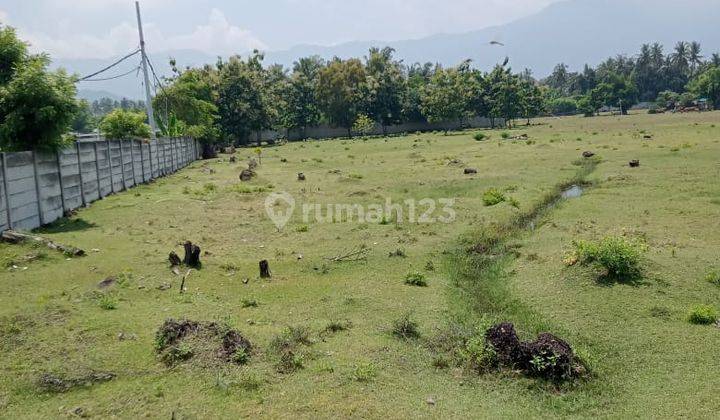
[(246, 175), (265, 269), (301, 176), (192, 254), (470, 171), (588, 154), (635, 163), (174, 259)]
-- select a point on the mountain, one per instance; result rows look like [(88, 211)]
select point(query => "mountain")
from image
[(574, 32)]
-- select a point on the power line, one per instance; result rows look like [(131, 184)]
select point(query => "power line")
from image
[(109, 67), (136, 69)]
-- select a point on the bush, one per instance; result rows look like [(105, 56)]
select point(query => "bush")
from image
[(122, 124), (405, 328), (416, 279), (505, 135), (619, 256), (703, 315), (480, 136), (492, 197)]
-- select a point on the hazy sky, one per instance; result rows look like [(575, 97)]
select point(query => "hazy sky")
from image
[(106, 28)]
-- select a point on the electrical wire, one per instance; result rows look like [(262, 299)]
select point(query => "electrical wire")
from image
[(136, 69), (109, 67)]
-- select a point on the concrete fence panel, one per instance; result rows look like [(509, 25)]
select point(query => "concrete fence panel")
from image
[(38, 188)]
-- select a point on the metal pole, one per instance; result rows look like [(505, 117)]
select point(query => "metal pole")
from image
[(148, 97)]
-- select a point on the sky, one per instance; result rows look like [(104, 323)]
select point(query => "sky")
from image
[(74, 29)]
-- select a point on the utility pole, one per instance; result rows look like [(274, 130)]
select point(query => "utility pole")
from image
[(148, 97)]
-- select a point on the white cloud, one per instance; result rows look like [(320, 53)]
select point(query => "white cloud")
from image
[(218, 36)]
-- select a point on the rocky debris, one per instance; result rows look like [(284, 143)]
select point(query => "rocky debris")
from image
[(301, 176), (247, 175), (634, 163), (470, 171), (588, 154), (547, 356), (520, 137), (49, 382)]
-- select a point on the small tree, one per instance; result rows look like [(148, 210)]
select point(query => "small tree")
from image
[(707, 85), (122, 124), (364, 125)]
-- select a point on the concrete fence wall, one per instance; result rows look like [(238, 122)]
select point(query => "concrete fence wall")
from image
[(324, 132), (38, 188)]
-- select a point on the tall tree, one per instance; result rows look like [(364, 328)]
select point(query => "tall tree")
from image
[(385, 85), (243, 100), (340, 91), (301, 101)]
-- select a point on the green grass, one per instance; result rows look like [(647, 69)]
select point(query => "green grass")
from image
[(645, 358)]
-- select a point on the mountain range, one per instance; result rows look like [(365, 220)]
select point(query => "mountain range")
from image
[(575, 32)]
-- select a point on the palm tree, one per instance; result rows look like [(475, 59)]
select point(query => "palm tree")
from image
[(657, 54), (715, 60), (680, 57), (694, 57)]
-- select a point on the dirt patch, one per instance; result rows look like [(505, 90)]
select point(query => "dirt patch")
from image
[(209, 343)]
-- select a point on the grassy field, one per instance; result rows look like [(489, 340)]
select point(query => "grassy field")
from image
[(644, 358)]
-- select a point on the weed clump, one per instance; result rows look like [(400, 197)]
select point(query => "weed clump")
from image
[(480, 136), (620, 257), (492, 197), (287, 347), (405, 328), (703, 315), (713, 277), (416, 279)]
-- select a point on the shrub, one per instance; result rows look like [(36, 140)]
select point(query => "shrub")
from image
[(505, 135), (492, 197), (123, 124), (703, 315), (302, 228), (619, 256), (480, 136), (405, 328), (416, 279)]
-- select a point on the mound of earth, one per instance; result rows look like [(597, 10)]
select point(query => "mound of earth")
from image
[(547, 356), (206, 342)]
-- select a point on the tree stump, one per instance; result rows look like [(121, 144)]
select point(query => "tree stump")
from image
[(252, 164), (301, 176), (635, 163), (265, 269), (470, 171), (233, 159), (192, 255), (174, 259), (588, 154)]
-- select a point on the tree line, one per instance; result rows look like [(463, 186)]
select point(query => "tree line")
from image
[(230, 100)]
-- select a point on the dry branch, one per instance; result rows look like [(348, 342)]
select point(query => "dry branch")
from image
[(17, 237)]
